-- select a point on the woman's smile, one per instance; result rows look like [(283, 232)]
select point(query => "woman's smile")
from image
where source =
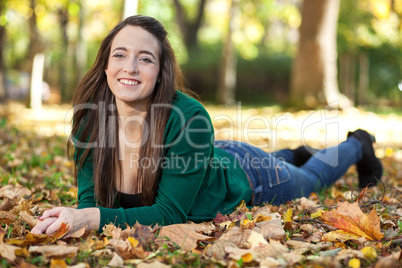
[(129, 82)]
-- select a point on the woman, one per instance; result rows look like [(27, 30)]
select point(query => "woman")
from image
[(145, 152)]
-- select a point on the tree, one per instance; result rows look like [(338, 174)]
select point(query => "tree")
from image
[(227, 75), (314, 74), (189, 28), (3, 94), (63, 15)]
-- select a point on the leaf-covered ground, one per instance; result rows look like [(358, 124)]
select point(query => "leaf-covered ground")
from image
[(337, 227)]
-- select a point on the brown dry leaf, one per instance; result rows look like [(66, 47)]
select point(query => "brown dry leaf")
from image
[(6, 251), (153, 264), (307, 205), (28, 218), (256, 240), (54, 250), (116, 261), (339, 235), (7, 204), (217, 249), (112, 230), (205, 228), (79, 233), (180, 234), (238, 236), (350, 218), (271, 249), (393, 260), (272, 229), (7, 217)]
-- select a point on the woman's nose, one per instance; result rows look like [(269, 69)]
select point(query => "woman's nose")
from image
[(131, 67)]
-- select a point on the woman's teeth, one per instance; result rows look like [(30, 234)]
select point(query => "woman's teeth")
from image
[(129, 82)]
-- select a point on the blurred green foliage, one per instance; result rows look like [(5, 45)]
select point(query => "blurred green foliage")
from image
[(265, 39)]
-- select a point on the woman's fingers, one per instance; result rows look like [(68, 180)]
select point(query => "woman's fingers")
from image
[(54, 212), (42, 225), (52, 228)]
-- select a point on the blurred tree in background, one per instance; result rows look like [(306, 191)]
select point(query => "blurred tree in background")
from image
[(262, 37)]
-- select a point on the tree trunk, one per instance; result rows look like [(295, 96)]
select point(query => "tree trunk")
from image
[(81, 55), (130, 8), (63, 20), (364, 79), (3, 93), (35, 45), (227, 76), (189, 29), (314, 74)]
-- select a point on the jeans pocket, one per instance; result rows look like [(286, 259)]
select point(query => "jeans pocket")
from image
[(279, 173)]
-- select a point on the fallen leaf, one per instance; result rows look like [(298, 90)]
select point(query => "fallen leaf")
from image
[(350, 218), (287, 217), (153, 264), (237, 235), (7, 251), (58, 263), (339, 235), (54, 250), (116, 261), (182, 235), (354, 263), (256, 240), (217, 249), (317, 214), (307, 205), (271, 229), (369, 252), (28, 218)]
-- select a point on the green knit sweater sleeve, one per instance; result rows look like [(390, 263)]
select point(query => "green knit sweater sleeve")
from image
[(188, 138)]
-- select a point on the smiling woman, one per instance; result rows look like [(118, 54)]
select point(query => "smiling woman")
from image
[(145, 150)]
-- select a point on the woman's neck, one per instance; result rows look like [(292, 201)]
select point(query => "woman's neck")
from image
[(131, 119)]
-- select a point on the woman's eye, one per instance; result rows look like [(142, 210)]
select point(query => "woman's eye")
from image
[(146, 60), (118, 55)]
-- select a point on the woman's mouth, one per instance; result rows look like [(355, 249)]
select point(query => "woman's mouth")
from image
[(129, 82)]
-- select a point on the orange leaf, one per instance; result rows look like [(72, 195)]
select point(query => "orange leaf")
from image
[(61, 232), (350, 218)]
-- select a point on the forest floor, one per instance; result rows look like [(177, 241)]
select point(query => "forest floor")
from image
[(337, 227)]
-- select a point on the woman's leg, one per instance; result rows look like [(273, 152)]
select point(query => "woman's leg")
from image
[(285, 181), (297, 157)]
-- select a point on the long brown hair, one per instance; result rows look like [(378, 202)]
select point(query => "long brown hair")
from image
[(95, 123)]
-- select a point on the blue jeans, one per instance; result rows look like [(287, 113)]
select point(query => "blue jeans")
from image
[(276, 180)]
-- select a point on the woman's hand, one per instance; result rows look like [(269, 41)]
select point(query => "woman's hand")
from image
[(76, 219)]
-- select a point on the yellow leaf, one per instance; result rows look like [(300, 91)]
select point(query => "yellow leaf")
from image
[(134, 242), (261, 218), (247, 257), (354, 263), (369, 253), (317, 214), (339, 235), (57, 263), (287, 217), (351, 219)]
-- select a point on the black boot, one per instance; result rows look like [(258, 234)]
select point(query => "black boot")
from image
[(302, 154), (369, 167)]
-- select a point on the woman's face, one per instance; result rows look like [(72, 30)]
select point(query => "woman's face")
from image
[(133, 66)]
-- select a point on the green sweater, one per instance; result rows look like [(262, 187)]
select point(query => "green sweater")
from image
[(198, 180)]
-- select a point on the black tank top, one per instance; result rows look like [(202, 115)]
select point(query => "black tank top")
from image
[(129, 200)]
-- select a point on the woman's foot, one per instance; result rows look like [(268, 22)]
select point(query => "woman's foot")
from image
[(369, 167)]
